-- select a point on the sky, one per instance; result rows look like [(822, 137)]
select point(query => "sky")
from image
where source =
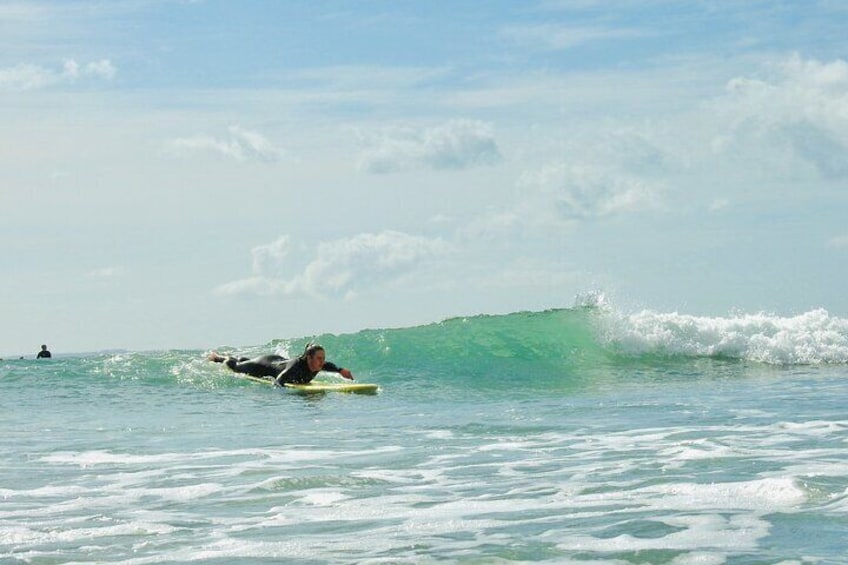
[(195, 174)]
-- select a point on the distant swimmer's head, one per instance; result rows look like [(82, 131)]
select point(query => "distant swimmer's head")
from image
[(315, 356)]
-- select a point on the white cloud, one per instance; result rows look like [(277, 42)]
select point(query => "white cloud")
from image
[(585, 192), (259, 286), (799, 113), (457, 144), (268, 258), (32, 77), (103, 69), (26, 77), (339, 268), (241, 145), (637, 150), (268, 263)]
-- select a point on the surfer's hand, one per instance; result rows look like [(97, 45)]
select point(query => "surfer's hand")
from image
[(213, 356), (346, 374)]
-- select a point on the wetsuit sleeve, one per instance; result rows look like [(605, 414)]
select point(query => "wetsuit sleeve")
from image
[(331, 367), (290, 373)]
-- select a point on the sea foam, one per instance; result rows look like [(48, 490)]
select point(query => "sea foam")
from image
[(814, 337)]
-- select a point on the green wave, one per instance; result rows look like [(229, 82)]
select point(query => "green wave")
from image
[(530, 348)]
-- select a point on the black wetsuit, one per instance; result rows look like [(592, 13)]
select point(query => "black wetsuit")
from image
[(273, 366), (43, 354)]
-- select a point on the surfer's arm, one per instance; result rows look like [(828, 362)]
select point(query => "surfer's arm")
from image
[(287, 375), (333, 368), (281, 379), (216, 357)]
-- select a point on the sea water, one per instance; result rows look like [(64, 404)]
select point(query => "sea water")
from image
[(579, 435)]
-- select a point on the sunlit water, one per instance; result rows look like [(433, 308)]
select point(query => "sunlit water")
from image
[(585, 452)]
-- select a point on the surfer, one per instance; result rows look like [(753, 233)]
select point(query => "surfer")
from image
[(297, 371), (43, 354)]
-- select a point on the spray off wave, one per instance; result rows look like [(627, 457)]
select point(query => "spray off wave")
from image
[(812, 338)]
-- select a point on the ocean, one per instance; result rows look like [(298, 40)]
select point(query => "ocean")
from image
[(576, 435)]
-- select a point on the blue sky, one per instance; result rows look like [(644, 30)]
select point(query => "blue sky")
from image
[(191, 174)]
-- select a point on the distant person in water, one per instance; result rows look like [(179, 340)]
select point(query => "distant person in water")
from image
[(43, 354), (296, 371)]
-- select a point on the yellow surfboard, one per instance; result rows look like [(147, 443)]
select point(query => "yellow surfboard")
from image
[(359, 388)]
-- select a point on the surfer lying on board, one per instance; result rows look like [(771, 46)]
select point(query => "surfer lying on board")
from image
[(297, 371)]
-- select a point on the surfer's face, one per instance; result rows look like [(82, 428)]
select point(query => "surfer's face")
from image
[(316, 360)]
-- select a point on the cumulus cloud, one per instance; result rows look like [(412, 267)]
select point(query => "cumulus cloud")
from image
[(826, 150), (268, 262), (457, 144), (586, 192), (103, 69), (267, 259), (32, 77), (260, 286), (798, 112), (241, 145), (339, 268)]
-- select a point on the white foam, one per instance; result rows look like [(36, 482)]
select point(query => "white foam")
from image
[(699, 558), (696, 450), (49, 491), (33, 536), (185, 493), (814, 337), (762, 495), (318, 497), (439, 434), (708, 532), (293, 455), (815, 428), (87, 459)]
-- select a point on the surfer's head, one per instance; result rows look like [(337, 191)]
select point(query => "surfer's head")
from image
[(315, 356)]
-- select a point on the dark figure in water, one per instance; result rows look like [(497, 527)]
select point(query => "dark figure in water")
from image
[(43, 354), (297, 371)]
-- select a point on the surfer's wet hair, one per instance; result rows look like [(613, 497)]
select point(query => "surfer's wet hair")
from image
[(311, 349)]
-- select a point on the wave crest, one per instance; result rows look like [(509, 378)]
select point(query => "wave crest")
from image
[(814, 337)]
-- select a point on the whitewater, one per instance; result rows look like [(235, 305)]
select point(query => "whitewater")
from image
[(575, 435)]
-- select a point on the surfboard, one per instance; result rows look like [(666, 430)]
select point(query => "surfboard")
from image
[(313, 387), (359, 388)]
